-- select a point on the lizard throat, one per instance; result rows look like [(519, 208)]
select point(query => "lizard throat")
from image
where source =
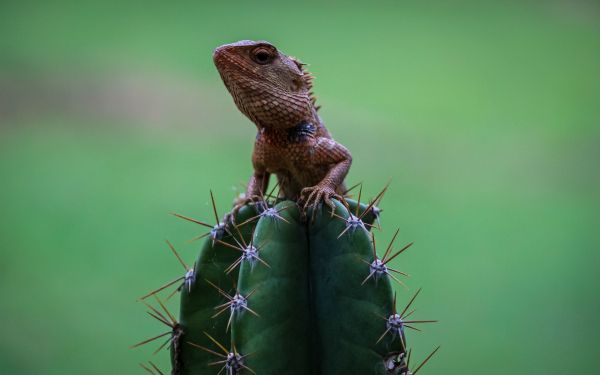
[(268, 106)]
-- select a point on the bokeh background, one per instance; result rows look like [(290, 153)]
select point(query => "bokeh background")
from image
[(485, 115)]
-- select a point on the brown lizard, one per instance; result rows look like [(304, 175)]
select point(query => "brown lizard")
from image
[(274, 91)]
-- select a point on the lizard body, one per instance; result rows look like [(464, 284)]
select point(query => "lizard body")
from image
[(274, 91)]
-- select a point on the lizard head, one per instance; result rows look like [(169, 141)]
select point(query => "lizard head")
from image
[(269, 87)]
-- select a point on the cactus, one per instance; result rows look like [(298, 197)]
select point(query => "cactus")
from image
[(277, 292)]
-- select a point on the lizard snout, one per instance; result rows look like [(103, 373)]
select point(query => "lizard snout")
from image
[(219, 54)]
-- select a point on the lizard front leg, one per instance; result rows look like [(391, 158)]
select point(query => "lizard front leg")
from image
[(257, 186), (327, 152)]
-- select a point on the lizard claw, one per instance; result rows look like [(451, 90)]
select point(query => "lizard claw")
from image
[(313, 196)]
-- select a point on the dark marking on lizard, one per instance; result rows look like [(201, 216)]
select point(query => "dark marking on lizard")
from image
[(301, 132)]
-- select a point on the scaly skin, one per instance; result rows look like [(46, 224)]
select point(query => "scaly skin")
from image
[(274, 91)]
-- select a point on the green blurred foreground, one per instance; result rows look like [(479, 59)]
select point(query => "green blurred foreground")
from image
[(485, 116)]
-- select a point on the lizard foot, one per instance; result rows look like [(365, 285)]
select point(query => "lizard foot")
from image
[(313, 196), (229, 218)]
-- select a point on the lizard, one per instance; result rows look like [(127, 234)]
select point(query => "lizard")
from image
[(274, 91)]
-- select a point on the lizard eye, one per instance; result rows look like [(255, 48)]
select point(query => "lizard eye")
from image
[(262, 55)]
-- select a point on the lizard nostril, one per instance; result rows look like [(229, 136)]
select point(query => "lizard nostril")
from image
[(217, 52), (219, 55)]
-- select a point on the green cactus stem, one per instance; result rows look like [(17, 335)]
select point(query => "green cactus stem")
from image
[(277, 292), (197, 311), (277, 339)]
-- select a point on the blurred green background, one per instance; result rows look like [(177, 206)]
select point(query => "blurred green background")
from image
[(484, 114)]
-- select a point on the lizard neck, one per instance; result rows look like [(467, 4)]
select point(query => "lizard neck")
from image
[(312, 125), (303, 131)]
